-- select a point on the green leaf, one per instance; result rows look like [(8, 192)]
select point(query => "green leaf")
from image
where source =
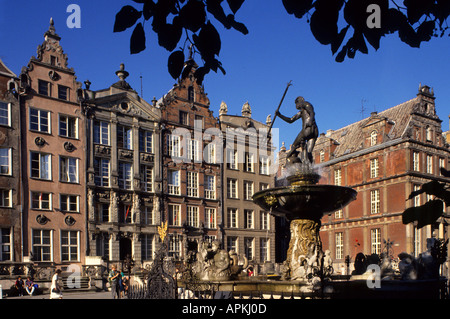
[(175, 63), (137, 41), (126, 18)]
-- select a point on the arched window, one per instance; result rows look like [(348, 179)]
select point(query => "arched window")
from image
[(429, 134), (373, 138)]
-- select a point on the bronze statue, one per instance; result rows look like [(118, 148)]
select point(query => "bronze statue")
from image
[(307, 137)]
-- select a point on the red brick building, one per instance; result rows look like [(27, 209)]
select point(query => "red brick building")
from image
[(384, 158), (191, 172), (10, 151), (53, 158)]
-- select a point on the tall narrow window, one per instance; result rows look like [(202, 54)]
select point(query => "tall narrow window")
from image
[(249, 248), (193, 216), (249, 162), (69, 245), (42, 245), (248, 190), (232, 159), (339, 245), (375, 201), (232, 188), (191, 94), (5, 244), (101, 172), (264, 221), (210, 187), (5, 113), (249, 219), (264, 165), (101, 132), (147, 246), (174, 145), (430, 164), (125, 175), (264, 249), (210, 216), (40, 165), (192, 184), (232, 215), (374, 168), (147, 178), (375, 239), (145, 141), (5, 161), (416, 161), (174, 215), (68, 169), (373, 138), (124, 137)]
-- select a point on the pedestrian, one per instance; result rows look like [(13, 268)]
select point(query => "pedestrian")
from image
[(55, 288), (121, 287), (30, 286), (114, 280), (20, 286)]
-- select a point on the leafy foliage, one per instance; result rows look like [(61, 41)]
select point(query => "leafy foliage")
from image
[(359, 22), (428, 213)]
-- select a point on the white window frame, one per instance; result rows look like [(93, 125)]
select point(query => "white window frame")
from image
[(210, 216), (41, 201), (248, 190), (416, 161), (174, 182), (70, 245), (210, 187), (7, 109), (375, 241), (66, 201), (232, 188), (66, 165), (6, 198), (100, 179), (101, 128), (125, 175), (41, 169), (249, 215), (41, 245), (232, 218), (125, 133), (6, 247), (374, 168), (193, 216), (147, 178), (174, 214), (39, 120), (146, 141), (375, 201), (339, 238), (192, 184), (264, 165), (174, 145), (65, 119), (8, 157)]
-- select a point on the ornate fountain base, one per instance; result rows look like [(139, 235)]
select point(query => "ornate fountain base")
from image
[(304, 255)]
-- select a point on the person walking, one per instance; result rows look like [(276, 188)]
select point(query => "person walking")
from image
[(55, 288), (114, 281)]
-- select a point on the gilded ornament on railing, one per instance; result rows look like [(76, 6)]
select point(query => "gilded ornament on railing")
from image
[(162, 231)]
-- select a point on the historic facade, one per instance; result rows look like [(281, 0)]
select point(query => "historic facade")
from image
[(53, 158), (384, 158), (192, 181), (123, 172), (247, 169), (10, 171)]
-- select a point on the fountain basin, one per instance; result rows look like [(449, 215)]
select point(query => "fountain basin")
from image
[(304, 201)]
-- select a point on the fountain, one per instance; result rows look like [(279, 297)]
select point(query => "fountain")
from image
[(304, 202)]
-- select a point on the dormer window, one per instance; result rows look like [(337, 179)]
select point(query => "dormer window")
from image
[(373, 138)]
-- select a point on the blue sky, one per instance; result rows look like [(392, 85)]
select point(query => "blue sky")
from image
[(279, 48)]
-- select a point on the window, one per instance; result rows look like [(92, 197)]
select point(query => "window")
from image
[(69, 245), (101, 132), (375, 240), (5, 161), (191, 94), (210, 216), (174, 215), (192, 184), (125, 212), (338, 177), (5, 198), (147, 246), (192, 216), (41, 201), (264, 165), (416, 161), (375, 201), (5, 113), (232, 215), (63, 92), (264, 221), (147, 216), (248, 190), (44, 87), (39, 120), (374, 168), (68, 169), (102, 245), (194, 152), (248, 219), (373, 138), (174, 146), (338, 214), (145, 141), (184, 118), (147, 178), (232, 159), (264, 249), (339, 245), (69, 203), (103, 212), (124, 137), (68, 126), (232, 188), (417, 197), (210, 187), (210, 157), (174, 248), (263, 186), (322, 156), (249, 162), (232, 243), (5, 244), (40, 165), (101, 172), (125, 175), (174, 183), (249, 248), (42, 245), (430, 164)]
